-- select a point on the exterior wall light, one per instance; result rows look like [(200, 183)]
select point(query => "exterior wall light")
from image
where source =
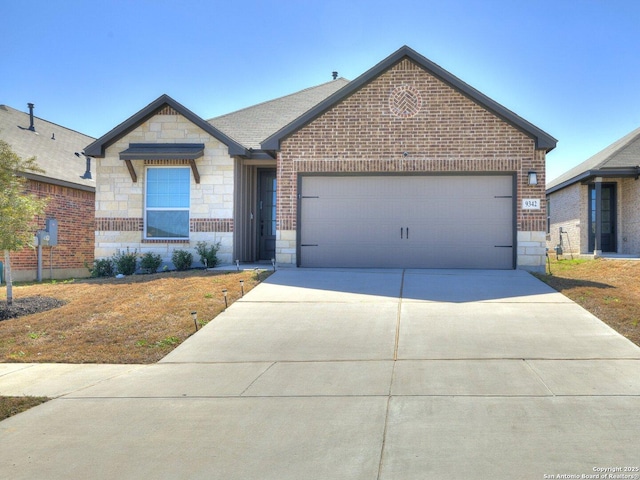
[(532, 178)]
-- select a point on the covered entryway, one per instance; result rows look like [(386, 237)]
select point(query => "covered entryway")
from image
[(608, 220), (255, 210), (401, 221)]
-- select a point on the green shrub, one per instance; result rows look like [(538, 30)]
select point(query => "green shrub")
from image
[(126, 263), (102, 267), (182, 259), (208, 254), (150, 262)]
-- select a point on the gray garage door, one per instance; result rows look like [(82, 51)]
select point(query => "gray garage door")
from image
[(457, 221)]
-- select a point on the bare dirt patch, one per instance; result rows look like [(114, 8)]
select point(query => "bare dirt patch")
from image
[(28, 306), (136, 319), (608, 288)]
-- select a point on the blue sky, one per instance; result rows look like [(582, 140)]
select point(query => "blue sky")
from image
[(572, 68)]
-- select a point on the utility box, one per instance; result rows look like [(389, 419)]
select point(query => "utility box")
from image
[(52, 230)]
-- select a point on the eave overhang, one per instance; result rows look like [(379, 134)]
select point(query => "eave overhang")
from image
[(590, 175), (55, 181)]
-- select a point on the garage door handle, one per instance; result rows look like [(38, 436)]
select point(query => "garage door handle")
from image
[(407, 233), (401, 232)]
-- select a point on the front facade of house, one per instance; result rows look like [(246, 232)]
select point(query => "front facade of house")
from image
[(593, 207), (66, 185), (159, 204), (406, 166)]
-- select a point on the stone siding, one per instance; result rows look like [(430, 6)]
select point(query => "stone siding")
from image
[(120, 201)]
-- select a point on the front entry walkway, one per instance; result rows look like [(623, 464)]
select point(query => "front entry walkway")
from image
[(357, 374)]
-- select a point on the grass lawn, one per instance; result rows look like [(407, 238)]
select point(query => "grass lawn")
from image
[(610, 289), (136, 319)]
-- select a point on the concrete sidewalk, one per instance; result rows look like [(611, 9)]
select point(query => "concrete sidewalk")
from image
[(358, 374)]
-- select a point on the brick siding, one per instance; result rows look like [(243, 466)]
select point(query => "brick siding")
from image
[(74, 210), (629, 217), (568, 211), (447, 132)]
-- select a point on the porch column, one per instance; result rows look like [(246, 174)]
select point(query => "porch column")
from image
[(597, 247)]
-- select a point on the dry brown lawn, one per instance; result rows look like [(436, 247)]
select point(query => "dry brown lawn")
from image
[(10, 406), (137, 319), (608, 288)]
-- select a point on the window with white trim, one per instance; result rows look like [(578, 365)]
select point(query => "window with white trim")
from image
[(167, 198)]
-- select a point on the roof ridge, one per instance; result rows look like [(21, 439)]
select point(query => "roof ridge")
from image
[(276, 99)]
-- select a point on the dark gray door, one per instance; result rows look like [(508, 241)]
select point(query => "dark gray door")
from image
[(457, 221), (266, 214), (608, 234)]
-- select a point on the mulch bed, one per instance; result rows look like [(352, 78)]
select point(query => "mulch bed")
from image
[(28, 306)]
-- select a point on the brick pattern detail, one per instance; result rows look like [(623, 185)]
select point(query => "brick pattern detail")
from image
[(450, 133), (119, 224), (211, 225), (137, 225), (164, 163), (166, 110), (74, 210), (150, 241)]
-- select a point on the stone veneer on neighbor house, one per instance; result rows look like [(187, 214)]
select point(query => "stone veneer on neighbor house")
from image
[(449, 133), (120, 201)]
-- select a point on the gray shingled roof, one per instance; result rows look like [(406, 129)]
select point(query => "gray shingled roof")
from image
[(252, 125), (54, 155), (620, 155)]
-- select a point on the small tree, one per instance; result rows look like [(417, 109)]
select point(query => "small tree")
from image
[(18, 209)]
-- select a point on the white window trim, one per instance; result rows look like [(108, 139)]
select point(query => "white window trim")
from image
[(146, 209)]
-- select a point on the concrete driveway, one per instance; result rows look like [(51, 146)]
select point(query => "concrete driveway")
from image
[(353, 374)]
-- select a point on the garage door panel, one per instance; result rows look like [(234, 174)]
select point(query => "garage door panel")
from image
[(451, 221)]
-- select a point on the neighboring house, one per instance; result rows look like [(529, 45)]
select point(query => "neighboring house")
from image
[(71, 195), (596, 203), (405, 166)]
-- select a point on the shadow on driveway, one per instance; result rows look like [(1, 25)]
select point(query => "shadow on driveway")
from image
[(358, 285)]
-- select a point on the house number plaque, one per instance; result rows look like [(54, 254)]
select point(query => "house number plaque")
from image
[(531, 204)]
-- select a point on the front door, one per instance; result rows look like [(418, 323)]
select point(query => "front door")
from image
[(266, 214), (607, 241)]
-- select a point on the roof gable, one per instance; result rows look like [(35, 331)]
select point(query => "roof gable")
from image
[(97, 148), (620, 158), (542, 139)]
